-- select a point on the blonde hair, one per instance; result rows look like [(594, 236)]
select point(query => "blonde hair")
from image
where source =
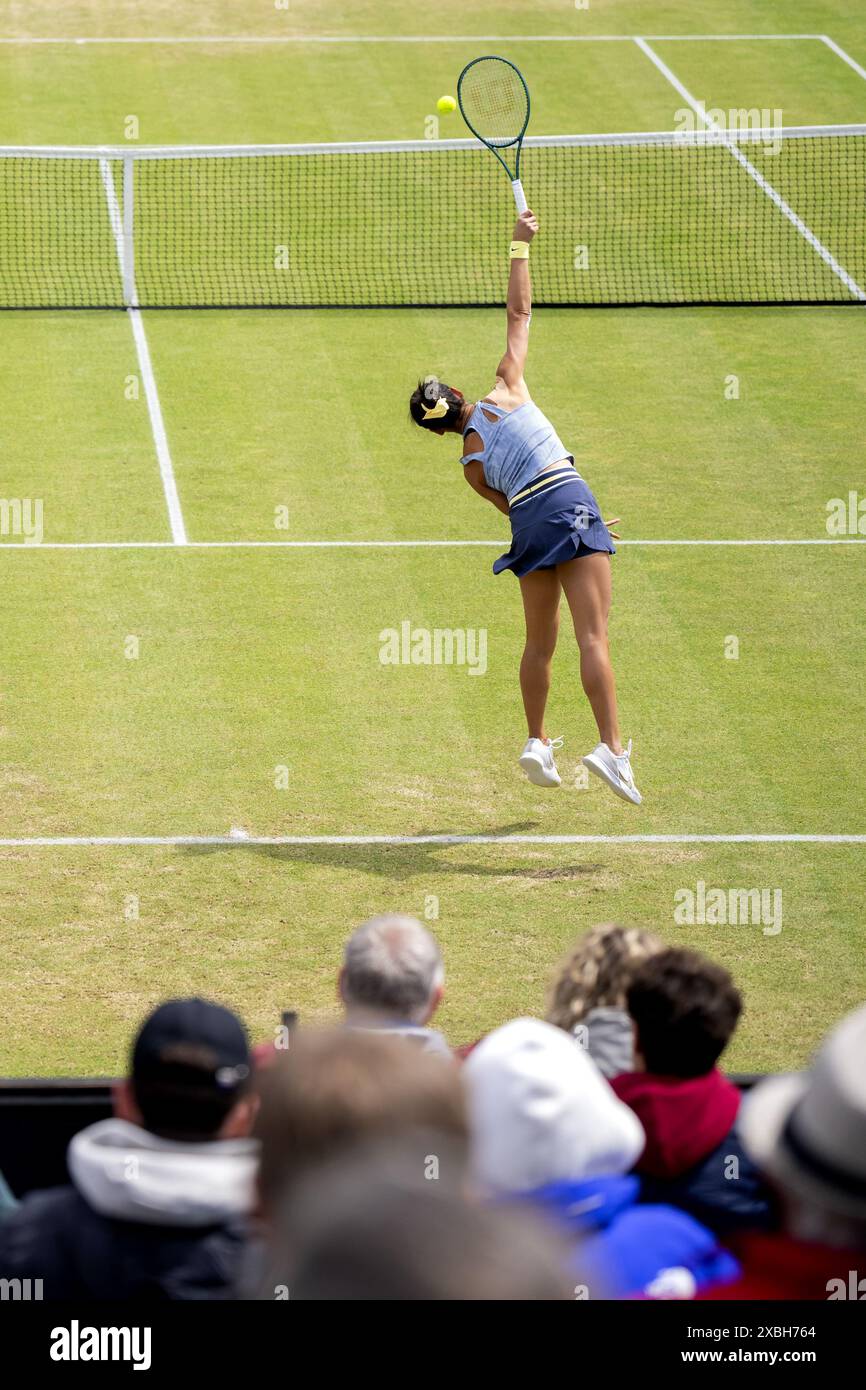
[(598, 971)]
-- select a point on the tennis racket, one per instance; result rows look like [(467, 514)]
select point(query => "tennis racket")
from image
[(494, 103)]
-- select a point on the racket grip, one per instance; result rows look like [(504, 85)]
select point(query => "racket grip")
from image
[(519, 195)]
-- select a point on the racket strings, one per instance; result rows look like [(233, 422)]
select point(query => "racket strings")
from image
[(494, 102)]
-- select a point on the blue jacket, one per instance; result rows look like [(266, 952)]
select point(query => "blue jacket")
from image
[(621, 1246), (705, 1192)]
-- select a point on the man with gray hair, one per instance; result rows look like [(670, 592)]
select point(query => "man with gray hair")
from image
[(393, 979)]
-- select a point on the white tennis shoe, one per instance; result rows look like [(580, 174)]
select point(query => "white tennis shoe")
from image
[(615, 769), (538, 763)]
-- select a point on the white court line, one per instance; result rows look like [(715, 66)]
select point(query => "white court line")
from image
[(57, 841), (157, 425), (404, 38), (723, 38), (846, 57), (383, 545), (766, 187)]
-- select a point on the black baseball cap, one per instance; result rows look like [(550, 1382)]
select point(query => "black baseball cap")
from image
[(190, 1063)]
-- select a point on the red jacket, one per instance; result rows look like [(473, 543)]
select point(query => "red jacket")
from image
[(777, 1266), (684, 1118)]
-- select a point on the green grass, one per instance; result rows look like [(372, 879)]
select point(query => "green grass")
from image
[(640, 395), (262, 929), (252, 660), (69, 435), (238, 94)]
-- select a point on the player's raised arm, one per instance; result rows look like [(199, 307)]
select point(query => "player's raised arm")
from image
[(518, 308)]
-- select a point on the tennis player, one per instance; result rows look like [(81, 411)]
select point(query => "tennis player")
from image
[(514, 458)]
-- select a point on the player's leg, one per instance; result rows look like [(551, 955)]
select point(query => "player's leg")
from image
[(540, 591), (586, 582)]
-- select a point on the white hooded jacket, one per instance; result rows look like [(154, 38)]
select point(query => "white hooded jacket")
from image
[(541, 1112), (129, 1174)]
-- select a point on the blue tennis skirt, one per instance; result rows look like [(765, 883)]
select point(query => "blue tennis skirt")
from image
[(554, 519)]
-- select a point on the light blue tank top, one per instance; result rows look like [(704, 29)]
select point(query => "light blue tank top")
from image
[(517, 445)]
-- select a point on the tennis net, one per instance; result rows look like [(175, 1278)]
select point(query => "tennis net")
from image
[(766, 217)]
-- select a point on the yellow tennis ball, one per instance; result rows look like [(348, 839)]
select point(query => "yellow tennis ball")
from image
[(445, 105)]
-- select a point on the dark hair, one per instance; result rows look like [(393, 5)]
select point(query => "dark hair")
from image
[(426, 395), (685, 1009)]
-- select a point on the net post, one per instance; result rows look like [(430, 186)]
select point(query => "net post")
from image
[(130, 298)]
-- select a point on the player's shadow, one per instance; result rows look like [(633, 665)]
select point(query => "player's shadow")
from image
[(405, 861)]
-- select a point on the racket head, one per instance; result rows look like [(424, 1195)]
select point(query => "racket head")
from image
[(494, 101)]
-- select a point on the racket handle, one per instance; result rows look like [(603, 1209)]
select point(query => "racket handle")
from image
[(519, 195)]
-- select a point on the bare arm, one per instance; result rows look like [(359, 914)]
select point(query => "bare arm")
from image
[(510, 389), (518, 311), (474, 474)]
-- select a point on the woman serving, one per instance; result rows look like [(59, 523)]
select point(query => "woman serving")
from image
[(514, 458)]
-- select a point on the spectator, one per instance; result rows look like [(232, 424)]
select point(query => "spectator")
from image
[(337, 1087), (160, 1194), (685, 1009), (588, 996), (548, 1130), (808, 1135), (393, 979), (372, 1225)]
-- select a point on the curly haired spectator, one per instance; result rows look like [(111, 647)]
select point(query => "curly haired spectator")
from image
[(588, 997)]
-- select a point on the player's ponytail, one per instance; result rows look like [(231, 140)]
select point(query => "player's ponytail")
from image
[(435, 406)]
